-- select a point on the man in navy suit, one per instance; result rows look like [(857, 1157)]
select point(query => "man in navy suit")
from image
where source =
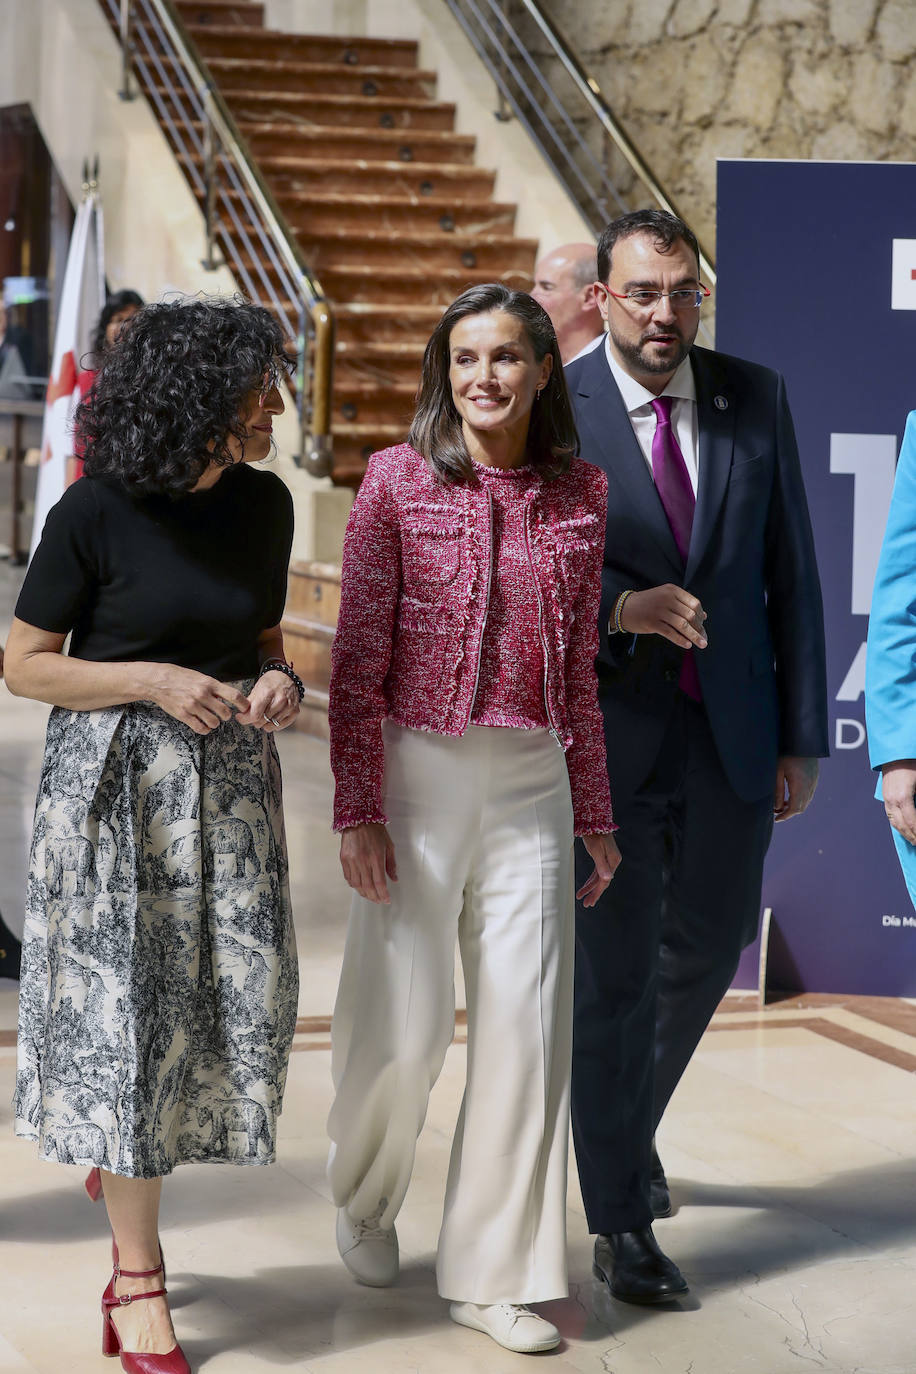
[(713, 689)]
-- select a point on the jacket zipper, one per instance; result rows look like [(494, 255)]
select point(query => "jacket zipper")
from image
[(486, 611), (537, 591)]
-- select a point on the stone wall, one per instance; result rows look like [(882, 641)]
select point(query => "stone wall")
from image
[(693, 80)]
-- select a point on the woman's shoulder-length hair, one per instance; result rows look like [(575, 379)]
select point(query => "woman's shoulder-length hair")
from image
[(169, 394), (436, 430)]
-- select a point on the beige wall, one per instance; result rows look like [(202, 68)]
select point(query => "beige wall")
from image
[(693, 80)]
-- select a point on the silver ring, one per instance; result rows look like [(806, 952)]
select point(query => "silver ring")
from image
[(274, 723)]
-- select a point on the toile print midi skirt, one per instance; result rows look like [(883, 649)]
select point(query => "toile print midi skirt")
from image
[(159, 977)]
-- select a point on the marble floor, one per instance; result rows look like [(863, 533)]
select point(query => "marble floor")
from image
[(789, 1146)]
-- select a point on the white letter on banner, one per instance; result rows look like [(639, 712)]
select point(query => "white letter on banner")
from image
[(854, 681), (859, 733), (871, 459)]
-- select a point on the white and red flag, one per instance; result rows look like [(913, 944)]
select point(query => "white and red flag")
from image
[(81, 301)]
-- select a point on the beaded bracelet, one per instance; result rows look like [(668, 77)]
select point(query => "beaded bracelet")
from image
[(277, 665), (616, 626)]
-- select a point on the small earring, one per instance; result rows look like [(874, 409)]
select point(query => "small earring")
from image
[(537, 394)]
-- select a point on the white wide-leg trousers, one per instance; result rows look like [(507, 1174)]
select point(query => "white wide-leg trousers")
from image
[(483, 836)]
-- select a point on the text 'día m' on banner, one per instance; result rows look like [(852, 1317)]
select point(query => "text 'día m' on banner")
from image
[(817, 278)]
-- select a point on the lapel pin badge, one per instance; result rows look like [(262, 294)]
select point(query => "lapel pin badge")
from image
[(720, 402)]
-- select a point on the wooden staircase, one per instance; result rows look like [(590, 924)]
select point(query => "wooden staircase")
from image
[(385, 199), (393, 216)]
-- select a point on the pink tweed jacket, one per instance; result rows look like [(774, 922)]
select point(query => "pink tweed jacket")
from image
[(414, 596)]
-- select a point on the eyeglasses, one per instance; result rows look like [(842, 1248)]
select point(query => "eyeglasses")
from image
[(684, 298)]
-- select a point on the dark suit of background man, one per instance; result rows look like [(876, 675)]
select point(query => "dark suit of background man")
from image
[(713, 690)]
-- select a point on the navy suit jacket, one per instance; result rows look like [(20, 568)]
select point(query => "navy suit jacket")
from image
[(751, 563)]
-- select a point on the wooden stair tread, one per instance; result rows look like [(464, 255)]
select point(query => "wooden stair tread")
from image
[(371, 200), (404, 348), (432, 237), (359, 137), (393, 434), (348, 309), (410, 273), (307, 627), (284, 164), (370, 390), (283, 38), (313, 567), (303, 68), (304, 163), (368, 102)]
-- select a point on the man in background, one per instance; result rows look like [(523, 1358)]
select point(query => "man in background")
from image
[(564, 284)]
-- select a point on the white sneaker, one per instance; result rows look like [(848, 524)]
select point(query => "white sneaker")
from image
[(369, 1251), (511, 1325)]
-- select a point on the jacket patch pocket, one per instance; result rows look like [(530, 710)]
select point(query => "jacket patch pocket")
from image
[(430, 548), (576, 535)]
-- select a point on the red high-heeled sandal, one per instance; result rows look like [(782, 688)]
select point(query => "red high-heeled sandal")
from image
[(135, 1361)]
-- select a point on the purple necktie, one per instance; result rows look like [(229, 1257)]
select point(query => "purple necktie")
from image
[(672, 482)]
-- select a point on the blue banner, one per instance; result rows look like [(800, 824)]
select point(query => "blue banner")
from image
[(817, 278)]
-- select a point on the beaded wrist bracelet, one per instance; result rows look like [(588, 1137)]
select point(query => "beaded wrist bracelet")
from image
[(277, 665), (616, 627)]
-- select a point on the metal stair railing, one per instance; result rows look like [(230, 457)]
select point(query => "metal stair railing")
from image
[(562, 108), (241, 217)]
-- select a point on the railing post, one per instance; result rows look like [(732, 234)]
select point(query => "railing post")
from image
[(126, 27), (209, 263), (303, 382), (317, 443), (503, 111)]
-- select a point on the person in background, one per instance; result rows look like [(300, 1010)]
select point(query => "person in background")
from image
[(159, 980), (114, 315), (712, 682), (467, 748), (564, 284), (10, 948), (890, 694), (13, 384)]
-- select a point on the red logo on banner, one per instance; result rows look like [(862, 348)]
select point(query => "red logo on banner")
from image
[(64, 384)]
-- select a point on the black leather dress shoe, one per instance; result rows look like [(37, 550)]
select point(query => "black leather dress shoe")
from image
[(635, 1270), (659, 1196)]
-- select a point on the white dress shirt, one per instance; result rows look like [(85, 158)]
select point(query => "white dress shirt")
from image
[(638, 402), (589, 348)]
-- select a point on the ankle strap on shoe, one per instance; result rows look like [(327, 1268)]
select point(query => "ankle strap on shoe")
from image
[(125, 1299), (136, 1273)]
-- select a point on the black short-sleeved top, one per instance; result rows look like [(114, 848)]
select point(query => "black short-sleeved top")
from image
[(192, 580)]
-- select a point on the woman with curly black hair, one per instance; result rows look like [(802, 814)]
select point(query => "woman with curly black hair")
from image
[(159, 979)]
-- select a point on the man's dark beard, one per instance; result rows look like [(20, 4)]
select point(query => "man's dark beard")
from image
[(633, 354)]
